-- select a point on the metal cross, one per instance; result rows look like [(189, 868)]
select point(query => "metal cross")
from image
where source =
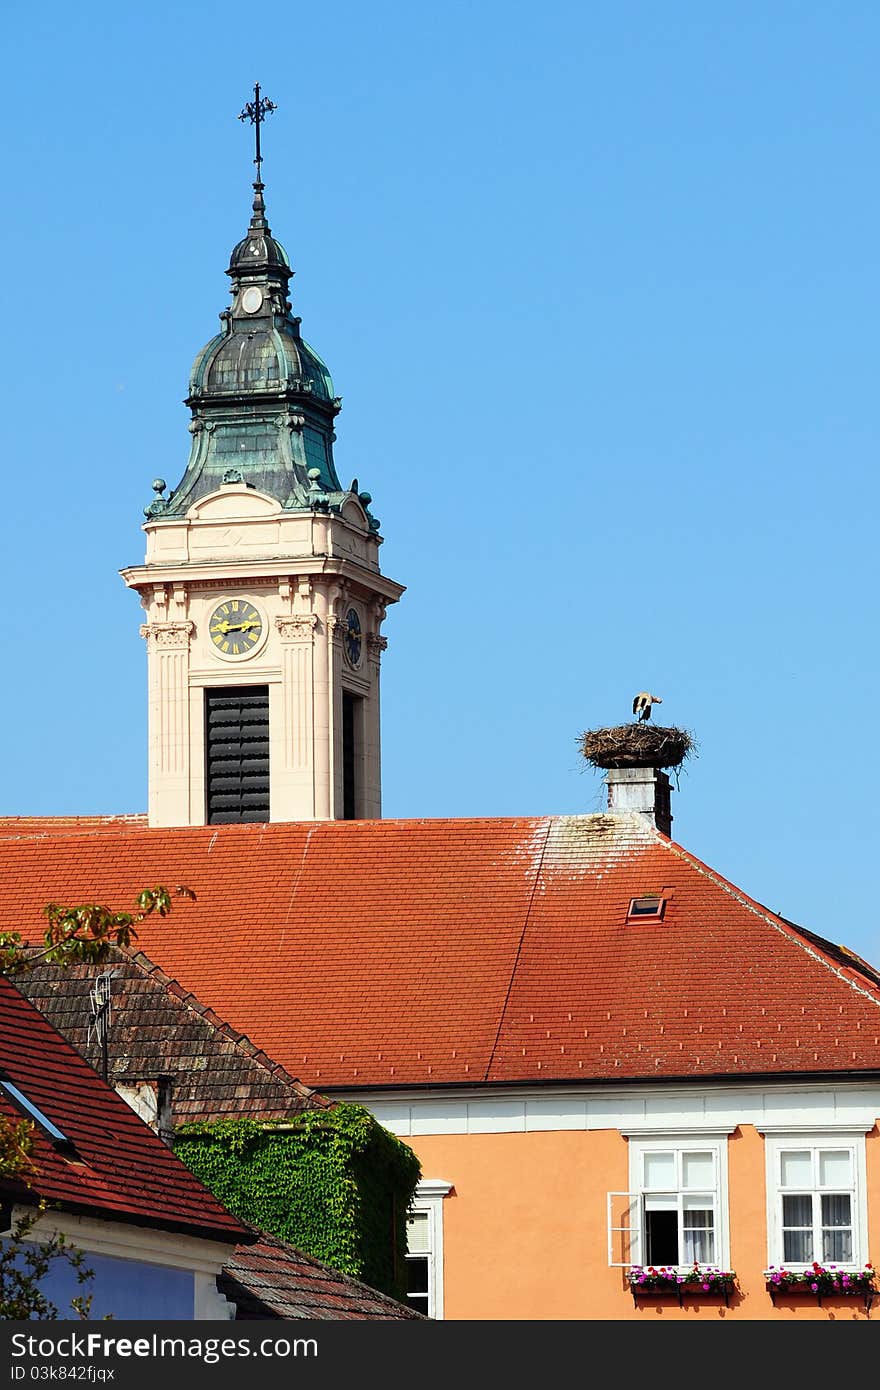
[(256, 112)]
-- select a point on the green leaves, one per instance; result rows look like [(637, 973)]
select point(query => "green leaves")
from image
[(327, 1181), (85, 933), (16, 1147), (25, 1262)]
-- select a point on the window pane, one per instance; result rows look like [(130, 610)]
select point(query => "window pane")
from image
[(797, 1169), (835, 1168), (698, 1170), (699, 1247), (797, 1246), (696, 1214), (797, 1227), (837, 1246), (837, 1228), (836, 1210), (661, 1201), (417, 1275), (698, 1237), (660, 1172), (797, 1210), (661, 1237), (417, 1241)]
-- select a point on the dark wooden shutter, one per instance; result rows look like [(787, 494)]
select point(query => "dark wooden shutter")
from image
[(350, 751), (237, 754)]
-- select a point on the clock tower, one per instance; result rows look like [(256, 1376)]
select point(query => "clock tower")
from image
[(261, 586)]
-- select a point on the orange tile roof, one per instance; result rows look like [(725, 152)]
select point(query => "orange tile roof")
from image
[(383, 953)]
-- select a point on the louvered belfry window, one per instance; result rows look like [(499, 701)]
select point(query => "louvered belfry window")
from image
[(237, 754), (351, 755)]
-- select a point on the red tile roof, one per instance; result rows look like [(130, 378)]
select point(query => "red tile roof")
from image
[(273, 1280), (116, 1168), (376, 953)]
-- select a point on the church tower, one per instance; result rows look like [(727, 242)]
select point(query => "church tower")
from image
[(263, 596)]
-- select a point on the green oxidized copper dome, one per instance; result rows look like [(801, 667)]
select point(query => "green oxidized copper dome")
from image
[(262, 400), (266, 358)]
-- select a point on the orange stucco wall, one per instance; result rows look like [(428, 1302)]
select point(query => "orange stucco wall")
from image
[(525, 1229)]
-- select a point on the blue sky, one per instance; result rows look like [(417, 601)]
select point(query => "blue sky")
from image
[(598, 284)]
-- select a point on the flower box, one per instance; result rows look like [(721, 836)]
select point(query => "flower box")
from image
[(823, 1281), (673, 1281)]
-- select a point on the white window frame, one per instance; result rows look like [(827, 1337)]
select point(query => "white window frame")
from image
[(797, 1139), (428, 1198), (641, 1142)]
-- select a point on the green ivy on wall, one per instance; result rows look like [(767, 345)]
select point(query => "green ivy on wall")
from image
[(333, 1183)]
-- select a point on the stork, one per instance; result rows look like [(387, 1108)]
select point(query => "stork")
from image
[(642, 704)]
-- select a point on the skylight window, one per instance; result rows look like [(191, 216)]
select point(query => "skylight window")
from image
[(650, 907), (20, 1099)]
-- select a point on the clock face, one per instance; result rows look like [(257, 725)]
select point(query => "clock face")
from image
[(353, 637), (251, 299), (235, 627)]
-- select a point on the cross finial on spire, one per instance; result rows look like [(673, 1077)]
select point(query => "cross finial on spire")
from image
[(256, 112)]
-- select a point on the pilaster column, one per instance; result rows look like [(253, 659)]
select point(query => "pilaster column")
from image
[(169, 732), (375, 646), (336, 630), (292, 758)]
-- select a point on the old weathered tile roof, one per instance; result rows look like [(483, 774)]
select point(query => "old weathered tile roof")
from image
[(273, 1280), (159, 1029), (110, 1163), (427, 952)]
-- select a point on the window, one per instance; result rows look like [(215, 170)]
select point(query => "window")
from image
[(676, 1210), (21, 1101), (651, 907), (352, 756), (814, 1194), (424, 1256), (419, 1259), (237, 754)]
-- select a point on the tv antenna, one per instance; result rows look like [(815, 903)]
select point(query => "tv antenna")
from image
[(99, 1015)]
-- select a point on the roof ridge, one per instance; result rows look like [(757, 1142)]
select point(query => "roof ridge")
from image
[(267, 1238), (787, 929), (191, 1001)]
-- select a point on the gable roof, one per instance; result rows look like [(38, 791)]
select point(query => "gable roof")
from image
[(110, 1164), (271, 1279), (158, 1028), (432, 952)]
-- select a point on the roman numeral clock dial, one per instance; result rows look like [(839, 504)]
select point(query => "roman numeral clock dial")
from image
[(235, 627)]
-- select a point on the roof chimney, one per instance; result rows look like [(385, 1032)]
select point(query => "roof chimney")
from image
[(633, 758), (644, 791)]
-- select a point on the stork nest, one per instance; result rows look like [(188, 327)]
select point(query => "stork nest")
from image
[(636, 745)]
